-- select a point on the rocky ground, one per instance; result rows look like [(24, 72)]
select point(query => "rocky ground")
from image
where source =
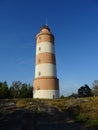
[(49, 118)]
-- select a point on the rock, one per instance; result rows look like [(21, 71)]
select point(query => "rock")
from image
[(29, 121)]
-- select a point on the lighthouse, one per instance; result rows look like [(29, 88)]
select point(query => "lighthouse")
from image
[(46, 83)]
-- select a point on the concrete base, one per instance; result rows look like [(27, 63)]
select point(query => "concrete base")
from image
[(46, 94)]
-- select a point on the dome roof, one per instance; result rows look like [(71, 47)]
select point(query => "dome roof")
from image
[(45, 30), (45, 27)]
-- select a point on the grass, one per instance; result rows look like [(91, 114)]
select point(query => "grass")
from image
[(86, 112), (22, 103), (83, 110)]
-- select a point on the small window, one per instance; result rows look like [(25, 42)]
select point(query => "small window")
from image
[(39, 60), (38, 88), (39, 48), (39, 73), (39, 38)]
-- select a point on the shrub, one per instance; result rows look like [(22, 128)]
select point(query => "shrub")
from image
[(22, 103)]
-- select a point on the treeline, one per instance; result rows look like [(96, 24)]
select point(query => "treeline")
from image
[(85, 91), (23, 90), (16, 90)]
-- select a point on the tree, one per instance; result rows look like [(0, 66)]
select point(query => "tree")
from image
[(73, 95), (84, 91), (20, 90), (62, 97), (30, 91), (24, 91), (0, 84), (4, 91), (95, 87), (15, 89)]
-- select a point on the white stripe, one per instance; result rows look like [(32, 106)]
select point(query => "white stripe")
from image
[(45, 47), (47, 94), (45, 70)]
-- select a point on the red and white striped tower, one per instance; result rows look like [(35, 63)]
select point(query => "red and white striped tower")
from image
[(46, 84)]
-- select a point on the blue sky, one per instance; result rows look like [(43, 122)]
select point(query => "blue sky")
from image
[(75, 26)]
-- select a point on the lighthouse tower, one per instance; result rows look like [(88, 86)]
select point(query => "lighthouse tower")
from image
[(46, 84)]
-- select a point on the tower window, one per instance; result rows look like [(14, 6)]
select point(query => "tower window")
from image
[(39, 60), (39, 48), (39, 38), (38, 88), (39, 73)]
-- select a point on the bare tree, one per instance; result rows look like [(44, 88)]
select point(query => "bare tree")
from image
[(16, 88), (95, 87)]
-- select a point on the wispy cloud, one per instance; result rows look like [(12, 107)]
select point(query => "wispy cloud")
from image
[(23, 61)]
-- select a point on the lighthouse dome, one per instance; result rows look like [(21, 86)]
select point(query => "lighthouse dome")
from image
[(45, 29)]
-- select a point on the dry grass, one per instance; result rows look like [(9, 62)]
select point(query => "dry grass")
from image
[(22, 103), (86, 111)]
